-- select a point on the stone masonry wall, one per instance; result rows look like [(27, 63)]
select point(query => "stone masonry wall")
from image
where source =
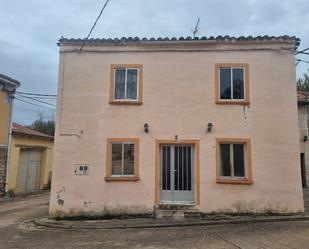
[(3, 156)]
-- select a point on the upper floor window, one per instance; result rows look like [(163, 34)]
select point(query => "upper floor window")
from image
[(232, 83), (126, 84)]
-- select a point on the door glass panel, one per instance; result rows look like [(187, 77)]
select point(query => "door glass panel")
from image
[(225, 83), (168, 183), (128, 159), (166, 168), (176, 167), (120, 75), (239, 160), (180, 169), (116, 159), (225, 159), (238, 83), (189, 168), (185, 168)]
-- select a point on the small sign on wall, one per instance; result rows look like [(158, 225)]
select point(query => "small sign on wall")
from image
[(82, 169)]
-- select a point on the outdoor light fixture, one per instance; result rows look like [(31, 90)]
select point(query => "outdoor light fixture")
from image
[(305, 138), (209, 127), (146, 128)]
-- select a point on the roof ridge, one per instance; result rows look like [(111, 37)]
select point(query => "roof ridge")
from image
[(182, 38)]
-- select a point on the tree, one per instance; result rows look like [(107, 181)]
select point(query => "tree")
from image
[(303, 84), (44, 126)]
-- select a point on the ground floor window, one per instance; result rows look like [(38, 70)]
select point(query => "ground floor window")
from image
[(122, 159), (234, 161)]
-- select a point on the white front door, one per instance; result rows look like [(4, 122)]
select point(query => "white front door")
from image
[(177, 175)]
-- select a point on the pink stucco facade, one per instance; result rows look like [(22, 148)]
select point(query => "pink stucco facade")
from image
[(178, 99)]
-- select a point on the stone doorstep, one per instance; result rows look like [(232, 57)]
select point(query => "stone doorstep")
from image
[(177, 212), (175, 206)]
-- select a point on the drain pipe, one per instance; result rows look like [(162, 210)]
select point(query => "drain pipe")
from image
[(11, 101)]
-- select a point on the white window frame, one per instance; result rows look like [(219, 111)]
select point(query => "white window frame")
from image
[(125, 99), (232, 93), (122, 159), (232, 162)]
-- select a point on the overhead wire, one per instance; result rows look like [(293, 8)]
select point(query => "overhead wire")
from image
[(302, 51), (93, 26), (38, 97), (37, 94), (51, 98), (34, 99), (34, 104), (300, 60)]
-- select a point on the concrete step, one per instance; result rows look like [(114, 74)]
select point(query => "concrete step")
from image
[(177, 212), (192, 214), (175, 207), (163, 214)]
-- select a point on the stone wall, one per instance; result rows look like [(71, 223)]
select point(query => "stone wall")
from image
[(3, 157)]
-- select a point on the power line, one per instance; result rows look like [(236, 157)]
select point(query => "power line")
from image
[(44, 102), (37, 94), (51, 98), (299, 60), (34, 104), (95, 23), (305, 53), (302, 51), (37, 97)]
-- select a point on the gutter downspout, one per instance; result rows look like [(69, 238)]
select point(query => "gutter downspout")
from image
[(11, 100)]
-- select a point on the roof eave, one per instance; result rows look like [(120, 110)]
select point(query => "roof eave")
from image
[(188, 40), (16, 133), (9, 83)]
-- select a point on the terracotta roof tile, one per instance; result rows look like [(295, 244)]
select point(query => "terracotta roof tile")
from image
[(226, 38), (20, 129)]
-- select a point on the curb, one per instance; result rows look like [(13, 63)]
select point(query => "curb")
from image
[(45, 223)]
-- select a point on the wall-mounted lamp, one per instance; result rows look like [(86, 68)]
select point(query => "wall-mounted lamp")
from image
[(209, 127), (146, 128), (305, 138)]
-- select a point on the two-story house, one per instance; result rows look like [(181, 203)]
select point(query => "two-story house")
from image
[(209, 123), (7, 89)]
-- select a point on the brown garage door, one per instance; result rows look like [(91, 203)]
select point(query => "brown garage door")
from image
[(29, 171)]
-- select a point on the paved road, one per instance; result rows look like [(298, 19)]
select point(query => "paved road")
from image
[(14, 233)]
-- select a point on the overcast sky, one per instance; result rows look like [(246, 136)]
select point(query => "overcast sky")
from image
[(29, 30)]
